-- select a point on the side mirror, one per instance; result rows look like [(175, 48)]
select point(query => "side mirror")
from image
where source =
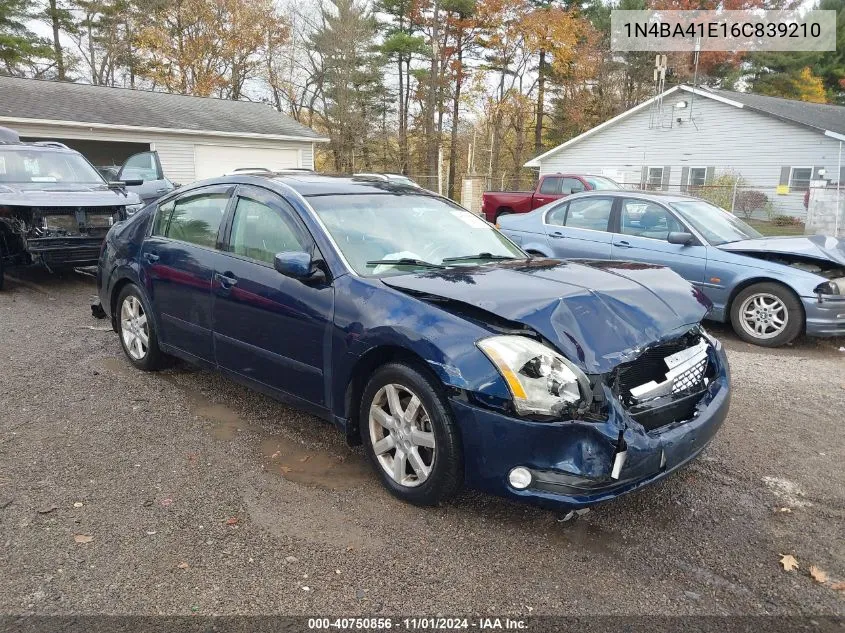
[(133, 182), (298, 265), (677, 237)]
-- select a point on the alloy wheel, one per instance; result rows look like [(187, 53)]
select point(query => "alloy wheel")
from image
[(134, 328), (763, 315), (402, 435)]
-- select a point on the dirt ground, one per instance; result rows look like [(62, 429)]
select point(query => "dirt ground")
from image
[(180, 492)]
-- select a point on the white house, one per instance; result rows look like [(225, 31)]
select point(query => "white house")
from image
[(686, 136), (195, 137)]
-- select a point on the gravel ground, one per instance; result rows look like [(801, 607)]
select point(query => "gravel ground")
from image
[(196, 495)]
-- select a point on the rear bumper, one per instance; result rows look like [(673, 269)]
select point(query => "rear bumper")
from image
[(825, 318), (571, 461)]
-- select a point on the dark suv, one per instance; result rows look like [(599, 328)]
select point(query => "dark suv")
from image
[(55, 207)]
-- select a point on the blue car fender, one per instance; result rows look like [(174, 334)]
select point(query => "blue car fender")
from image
[(373, 319)]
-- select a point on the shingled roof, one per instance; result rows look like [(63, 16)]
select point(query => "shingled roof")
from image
[(821, 116), (83, 103)]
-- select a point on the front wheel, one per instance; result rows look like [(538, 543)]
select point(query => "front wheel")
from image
[(409, 435), (767, 314), (137, 331)]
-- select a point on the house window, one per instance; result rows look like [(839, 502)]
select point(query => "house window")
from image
[(799, 178), (697, 176), (654, 181)]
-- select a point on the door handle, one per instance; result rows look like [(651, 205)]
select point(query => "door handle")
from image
[(226, 280), (558, 235), (151, 258), (162, 190), (622, 244)]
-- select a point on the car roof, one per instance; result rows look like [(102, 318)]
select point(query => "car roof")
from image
[(642, 194), (313, 184), (46, 146)]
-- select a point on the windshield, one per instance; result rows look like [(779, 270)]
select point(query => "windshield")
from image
[(714, 223), (45, 166), (415, 232), (600, 183)]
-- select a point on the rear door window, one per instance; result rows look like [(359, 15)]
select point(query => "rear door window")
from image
[(197, 219), (557, 215), (162, 219), (589, 213)]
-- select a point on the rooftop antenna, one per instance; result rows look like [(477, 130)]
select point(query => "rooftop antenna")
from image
[(695, 75), (659, 86)]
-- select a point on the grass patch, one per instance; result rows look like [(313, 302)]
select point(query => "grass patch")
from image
[(771, 229)]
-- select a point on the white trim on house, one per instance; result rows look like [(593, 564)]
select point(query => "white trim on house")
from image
[(688, 183), (838, 137), (710, 95), (792, 173), (648, 182), (164, 130)]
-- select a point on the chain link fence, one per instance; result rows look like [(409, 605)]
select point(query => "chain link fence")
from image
[(782, 208)]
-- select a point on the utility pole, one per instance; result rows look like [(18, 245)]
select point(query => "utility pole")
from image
[(431, 97)]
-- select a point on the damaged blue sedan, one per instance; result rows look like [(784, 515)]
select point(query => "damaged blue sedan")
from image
[(423, 333)]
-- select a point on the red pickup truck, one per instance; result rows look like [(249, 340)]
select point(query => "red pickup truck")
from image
[(549, 188)]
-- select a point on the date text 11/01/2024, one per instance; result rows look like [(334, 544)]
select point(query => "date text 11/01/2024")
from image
[(418, 623)]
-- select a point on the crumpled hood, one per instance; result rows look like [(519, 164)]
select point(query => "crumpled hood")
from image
[(814, 246), (59, 195), (598, 313)]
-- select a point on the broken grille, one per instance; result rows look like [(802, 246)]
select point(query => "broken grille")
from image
[(665, 383), (691, 378), (670, 368)]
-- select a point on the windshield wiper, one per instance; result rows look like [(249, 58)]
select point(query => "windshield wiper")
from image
[(404, 261), (482, 256)]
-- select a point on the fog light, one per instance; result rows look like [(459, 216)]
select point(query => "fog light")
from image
[(520, 478)]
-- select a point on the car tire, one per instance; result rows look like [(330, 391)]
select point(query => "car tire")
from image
[(133, 325), (2, 272), (424, 436), (767, 314)]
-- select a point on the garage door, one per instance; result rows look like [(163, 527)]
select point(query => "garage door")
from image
[(216, 160)]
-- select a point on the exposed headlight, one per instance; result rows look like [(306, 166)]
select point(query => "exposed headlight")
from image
[(540, 379), (132, 209), (832, 287)]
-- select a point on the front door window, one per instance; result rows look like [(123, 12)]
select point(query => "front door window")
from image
[(646, 219), (260, 232)]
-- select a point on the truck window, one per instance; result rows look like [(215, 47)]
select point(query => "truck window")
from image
[(571, 185), (550, 185)]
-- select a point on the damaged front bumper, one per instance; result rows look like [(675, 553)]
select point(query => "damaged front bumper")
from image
[(572, 462)]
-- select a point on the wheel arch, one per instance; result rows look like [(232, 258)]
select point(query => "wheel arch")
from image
[(745, 283), (536, 249), (123, 279), (360, 374), (503, 209)]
